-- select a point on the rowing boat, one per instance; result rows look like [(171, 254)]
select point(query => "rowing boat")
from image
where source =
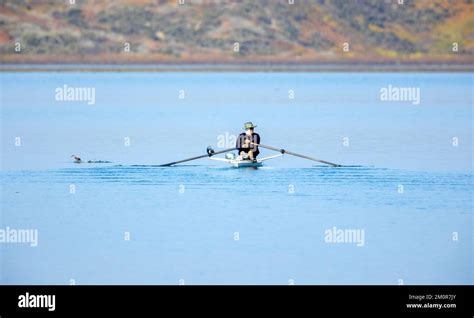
[(239, 162)]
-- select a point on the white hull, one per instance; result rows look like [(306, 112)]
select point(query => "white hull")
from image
[(245, 163)]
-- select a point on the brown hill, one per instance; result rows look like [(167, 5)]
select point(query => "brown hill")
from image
[(266, 30)]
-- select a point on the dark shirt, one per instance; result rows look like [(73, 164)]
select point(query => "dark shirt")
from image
[(240, 143)]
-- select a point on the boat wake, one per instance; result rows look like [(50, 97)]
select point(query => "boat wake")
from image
[(98, 161)]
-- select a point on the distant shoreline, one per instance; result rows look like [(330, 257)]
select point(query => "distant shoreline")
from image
[(236, 67)]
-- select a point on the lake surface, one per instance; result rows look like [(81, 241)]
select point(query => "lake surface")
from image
[(406, 185)]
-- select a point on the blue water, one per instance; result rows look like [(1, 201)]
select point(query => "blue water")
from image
[(183, 221)]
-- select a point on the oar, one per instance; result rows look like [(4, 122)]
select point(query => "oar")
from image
[(297, 154), (209, 154)]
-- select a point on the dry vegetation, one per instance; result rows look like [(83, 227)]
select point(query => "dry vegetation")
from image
[(267, 30)]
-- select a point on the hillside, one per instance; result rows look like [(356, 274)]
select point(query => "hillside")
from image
[(266, 30)]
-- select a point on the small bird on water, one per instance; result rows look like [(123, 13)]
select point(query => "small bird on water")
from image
[(76, 159)]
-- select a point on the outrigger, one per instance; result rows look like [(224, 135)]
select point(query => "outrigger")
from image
[(239, 162)]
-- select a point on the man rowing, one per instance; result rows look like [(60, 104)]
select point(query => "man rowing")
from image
[(246, 141), (247, 144)]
